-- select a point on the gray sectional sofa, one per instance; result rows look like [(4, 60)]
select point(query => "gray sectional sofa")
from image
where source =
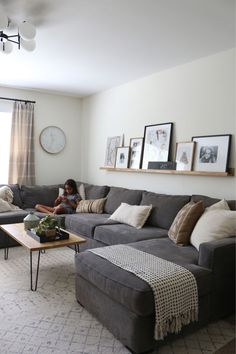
[(120, 300)]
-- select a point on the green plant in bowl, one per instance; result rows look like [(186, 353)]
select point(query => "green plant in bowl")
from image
[(47, 226)]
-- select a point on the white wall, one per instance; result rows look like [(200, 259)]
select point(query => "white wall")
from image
[(198, 97), (64, 112)]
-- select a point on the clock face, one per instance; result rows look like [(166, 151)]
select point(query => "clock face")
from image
[(52, 140)]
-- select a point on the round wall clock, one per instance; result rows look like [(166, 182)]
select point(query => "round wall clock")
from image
[(52, 139)]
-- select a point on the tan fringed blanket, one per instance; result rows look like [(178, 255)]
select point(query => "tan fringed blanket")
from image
[(174, 287)]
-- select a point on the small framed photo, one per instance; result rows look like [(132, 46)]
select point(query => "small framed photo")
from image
[(184, 155), (122, 157), (112, 144), (157, 139), (212, 153), (136, 145)]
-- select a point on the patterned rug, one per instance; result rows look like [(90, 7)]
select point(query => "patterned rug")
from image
[(51, 321)]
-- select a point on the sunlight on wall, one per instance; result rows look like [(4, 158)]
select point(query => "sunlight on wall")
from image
[(5, 133)]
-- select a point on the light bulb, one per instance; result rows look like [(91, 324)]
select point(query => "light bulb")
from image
[(27, 31), (3, 21), (28, 45), (8, 47)]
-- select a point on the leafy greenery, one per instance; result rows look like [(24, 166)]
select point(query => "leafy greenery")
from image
[(47, 223)]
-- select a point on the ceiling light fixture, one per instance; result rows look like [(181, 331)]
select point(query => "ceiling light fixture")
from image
[(24, 38)]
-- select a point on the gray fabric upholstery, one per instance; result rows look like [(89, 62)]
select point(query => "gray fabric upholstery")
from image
[(32, 195), (118, 195), (84, 224), (121, 233), (165, 207), (12, 217), (93, 191), (16, 194), (131, 291), (208, 201)]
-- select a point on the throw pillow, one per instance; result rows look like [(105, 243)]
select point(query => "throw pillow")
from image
[(4, 206), (95, 206), (184, 222), (214, 224), (133, 215), (82, 191), (6, 194), (61, 192), (222, 204)]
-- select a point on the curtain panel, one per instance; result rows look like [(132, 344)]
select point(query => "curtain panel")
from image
[(22, 162)]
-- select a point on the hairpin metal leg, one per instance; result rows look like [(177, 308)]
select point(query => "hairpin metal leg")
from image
[(76, 248), (6, 248), (34, 288)]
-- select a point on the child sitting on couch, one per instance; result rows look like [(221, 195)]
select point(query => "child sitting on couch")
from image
[(65, 203)]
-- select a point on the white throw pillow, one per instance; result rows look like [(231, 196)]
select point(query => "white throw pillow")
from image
[(82, 191), (133, 215), (4, 206), (214, 224), (6, 194), (61, 192), (222, 204)]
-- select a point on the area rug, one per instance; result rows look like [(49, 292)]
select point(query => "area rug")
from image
[(51, 321)]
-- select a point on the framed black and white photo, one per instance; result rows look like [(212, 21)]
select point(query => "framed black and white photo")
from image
[(184, 155), (211, 153), (157, 139), (136, 145), (112, 144), (122, 157)]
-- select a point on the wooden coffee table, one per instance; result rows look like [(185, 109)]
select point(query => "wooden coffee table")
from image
[(18, 233)]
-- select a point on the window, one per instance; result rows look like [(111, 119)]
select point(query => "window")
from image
[(5, 135)]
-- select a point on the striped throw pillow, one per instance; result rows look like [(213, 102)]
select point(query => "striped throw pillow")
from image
[(95, 206)]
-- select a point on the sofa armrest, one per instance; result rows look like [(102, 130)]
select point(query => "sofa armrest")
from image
[(218, 255)]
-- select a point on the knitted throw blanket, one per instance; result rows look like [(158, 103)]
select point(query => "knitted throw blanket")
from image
[(174, 287)]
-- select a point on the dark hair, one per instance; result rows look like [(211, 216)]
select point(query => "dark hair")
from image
[(71, 183)]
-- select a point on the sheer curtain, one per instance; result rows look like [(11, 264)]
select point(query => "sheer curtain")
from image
[(21, 164)]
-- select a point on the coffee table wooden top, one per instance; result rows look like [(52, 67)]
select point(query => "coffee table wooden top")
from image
[(18, 233)]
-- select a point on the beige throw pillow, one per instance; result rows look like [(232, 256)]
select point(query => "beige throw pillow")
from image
[(4, 206), (133, 215), (6, 194), (95, 206), (184, 222), (216, 223), (82, 191)]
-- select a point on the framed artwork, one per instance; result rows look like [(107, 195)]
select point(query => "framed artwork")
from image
[(136, 145), (122, 157), (184, 155), (112, 144), (157, 139), (212, 153)]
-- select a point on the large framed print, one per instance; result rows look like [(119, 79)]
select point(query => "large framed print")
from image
[(212, 153), (157, 139), (112, 144), (184, 155), (136, 145), (122, 157)]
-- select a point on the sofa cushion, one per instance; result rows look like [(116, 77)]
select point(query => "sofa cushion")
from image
[(16, 193), (208, 201), (12, 217), (129, 290), (118, 195), (93, 191), (84, 224), (164, 207), (32, 195), (121, 233)]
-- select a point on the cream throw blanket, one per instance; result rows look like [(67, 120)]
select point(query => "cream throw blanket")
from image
[(174, 287), (6, 199)]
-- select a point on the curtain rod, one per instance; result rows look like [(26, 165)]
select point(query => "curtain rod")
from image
[(16, 99)]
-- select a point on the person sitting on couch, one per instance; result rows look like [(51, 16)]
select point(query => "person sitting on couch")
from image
[(65, 203)]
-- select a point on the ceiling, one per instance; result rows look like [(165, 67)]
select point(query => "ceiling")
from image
[(87, 46)]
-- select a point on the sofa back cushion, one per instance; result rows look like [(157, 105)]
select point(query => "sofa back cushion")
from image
[(118, 195), (164, 208), (16, 193), (93, 191), (32, 195), (208, 201)]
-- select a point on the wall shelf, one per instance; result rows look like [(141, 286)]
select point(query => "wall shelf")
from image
[(230, 173)]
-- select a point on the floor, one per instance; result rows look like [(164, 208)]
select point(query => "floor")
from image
[(51, 321)]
